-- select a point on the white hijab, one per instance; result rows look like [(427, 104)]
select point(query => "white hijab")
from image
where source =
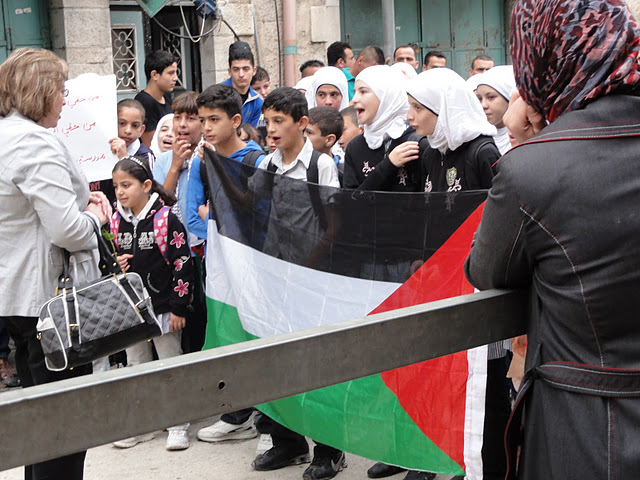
[(406, 70), (460, 115), (304, 84), (502, 80), (387, 84), (155, 142), (328, 76)]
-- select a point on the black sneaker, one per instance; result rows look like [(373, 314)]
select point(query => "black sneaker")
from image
[(383, 470), (324, 468), (280, 457), (415, 475)]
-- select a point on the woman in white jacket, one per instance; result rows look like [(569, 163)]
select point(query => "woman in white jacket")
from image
[(46, 206)]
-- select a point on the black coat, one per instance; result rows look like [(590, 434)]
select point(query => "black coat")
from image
[(563, 220)]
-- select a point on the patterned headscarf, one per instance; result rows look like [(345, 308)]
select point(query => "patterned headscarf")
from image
[(567, 53)]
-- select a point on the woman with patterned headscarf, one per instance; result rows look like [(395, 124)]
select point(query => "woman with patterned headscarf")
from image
[(562, 221)]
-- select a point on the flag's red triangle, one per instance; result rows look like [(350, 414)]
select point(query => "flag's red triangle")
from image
[(438, 412)]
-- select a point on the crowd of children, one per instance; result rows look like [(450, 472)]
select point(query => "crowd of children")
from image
[(357, 124)]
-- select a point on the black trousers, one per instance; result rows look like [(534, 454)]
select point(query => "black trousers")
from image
[(285, 438), (496, 417), (33, 371)]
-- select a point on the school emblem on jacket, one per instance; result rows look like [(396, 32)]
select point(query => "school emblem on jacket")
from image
[(366, 169), (452, 174)]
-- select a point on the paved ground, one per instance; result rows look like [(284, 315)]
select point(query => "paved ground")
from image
[(202, 461)]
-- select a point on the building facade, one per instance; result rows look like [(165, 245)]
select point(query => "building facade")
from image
[(112, 36)]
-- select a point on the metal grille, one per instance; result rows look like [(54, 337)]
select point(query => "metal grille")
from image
[(125, 63), (175, 46)]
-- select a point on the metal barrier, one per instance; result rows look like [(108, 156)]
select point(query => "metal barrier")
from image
[(52, 420)]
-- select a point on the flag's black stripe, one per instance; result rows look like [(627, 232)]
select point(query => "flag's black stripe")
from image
[(378, 235)]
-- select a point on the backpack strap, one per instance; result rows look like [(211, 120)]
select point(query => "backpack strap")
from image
[(313, 175), (313, 178), (161, 231), (252, 157)]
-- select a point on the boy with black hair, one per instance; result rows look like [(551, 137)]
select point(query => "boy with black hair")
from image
[(340, 55), (286, 114), (324, 129), (172, 171), (310, 67), (131, 116), (351, 127), (241, 70), (220, 113), (261, 82), (161, 69)]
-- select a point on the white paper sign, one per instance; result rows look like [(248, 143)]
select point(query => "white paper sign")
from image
[(88, 121)]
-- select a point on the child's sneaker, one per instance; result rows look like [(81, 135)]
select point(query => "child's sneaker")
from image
[(178, 439), (133, 441), (221, 431)]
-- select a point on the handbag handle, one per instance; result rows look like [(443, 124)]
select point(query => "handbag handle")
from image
[(108, 263)]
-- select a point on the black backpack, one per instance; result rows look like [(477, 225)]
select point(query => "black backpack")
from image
[(314, 189)]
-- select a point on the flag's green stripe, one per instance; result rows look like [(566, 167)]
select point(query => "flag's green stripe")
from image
[(397, 439)]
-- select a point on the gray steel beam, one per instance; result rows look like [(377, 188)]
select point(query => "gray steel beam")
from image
[(388, 27), (52, 420)]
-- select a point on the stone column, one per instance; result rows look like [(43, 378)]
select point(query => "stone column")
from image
[(81, 34)]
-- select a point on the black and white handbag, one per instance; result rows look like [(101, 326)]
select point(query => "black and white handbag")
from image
[(86, 322)]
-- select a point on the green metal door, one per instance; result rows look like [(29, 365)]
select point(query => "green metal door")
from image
[(24, 23), (4, 45), (361, 23), (461, 29)]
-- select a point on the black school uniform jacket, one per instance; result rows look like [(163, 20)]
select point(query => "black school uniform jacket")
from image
[(169, 281), (367, 169), (468, 167)]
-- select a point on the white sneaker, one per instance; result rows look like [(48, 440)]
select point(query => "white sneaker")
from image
[(221, 431), (133, 441), (178, 440), (265, 443)]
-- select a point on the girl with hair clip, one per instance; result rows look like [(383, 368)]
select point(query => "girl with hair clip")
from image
[(443, 108), (151, 241), (383, 157)]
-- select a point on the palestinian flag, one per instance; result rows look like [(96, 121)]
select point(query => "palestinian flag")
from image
[(284, 255)]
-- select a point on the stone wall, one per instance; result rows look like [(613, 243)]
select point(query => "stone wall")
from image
[(318, 25), (81, 34)]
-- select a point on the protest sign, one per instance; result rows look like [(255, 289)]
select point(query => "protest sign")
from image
[(88, 121)]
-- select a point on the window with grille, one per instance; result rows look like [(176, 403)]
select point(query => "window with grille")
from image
[(125, 63)]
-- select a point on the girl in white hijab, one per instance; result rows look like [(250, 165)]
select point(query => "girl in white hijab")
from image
[(443, 108), (494, 90), (163, 136), (328, 89), (372, 161)]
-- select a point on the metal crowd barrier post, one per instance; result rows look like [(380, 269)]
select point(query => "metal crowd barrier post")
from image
[(52, 420)]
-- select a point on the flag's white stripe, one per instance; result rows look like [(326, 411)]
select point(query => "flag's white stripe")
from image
[(474, 412), (293, 297)]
